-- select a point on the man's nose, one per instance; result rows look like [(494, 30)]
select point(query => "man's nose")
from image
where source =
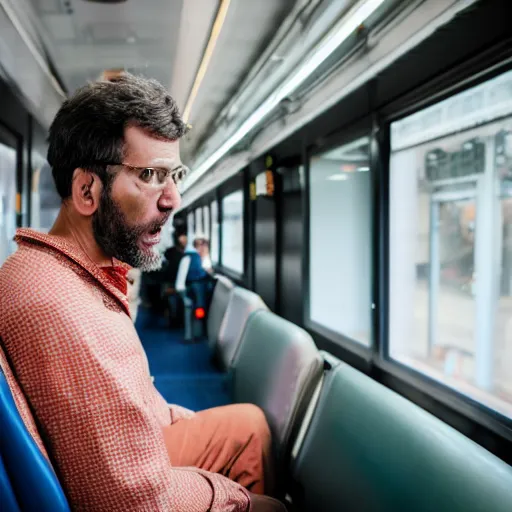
[(170, 198)]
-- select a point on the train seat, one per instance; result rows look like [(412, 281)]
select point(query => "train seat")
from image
[(30, 476), (369, 449), (242, 304), (8, 502), (219, 305), (277, 368)]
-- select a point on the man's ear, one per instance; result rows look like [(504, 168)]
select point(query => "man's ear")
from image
[(85, 191)]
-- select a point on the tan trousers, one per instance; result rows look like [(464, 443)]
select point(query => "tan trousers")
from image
[(233, 440)]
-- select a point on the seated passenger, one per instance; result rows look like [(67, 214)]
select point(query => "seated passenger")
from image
[(202, 246), (64, 321), (173, 256), (199, 281)]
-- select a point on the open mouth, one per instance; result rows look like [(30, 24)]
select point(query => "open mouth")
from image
[(151, 237)]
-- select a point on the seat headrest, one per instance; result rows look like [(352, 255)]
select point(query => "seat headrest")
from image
[(242, 304), (218, 307), (277, 368)]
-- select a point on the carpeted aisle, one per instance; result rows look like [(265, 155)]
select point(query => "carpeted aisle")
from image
[(184, 373)]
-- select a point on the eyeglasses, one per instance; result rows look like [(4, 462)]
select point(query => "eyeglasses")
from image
[(153, 176)]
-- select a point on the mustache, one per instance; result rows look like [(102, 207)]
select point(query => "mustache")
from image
[(157, 224)]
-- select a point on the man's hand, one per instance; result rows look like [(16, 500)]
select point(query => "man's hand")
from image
[(261, 503)]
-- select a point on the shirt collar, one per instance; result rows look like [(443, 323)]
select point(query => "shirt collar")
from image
[(76, 254)]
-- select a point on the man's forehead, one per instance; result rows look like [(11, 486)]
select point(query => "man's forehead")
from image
[(154, 150)]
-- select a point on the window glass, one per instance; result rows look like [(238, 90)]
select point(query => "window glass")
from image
[(233, 231), (451, 242), (190, 230), (7, 201), (206, 222), (199, 231), (214, 238), (340, 241)]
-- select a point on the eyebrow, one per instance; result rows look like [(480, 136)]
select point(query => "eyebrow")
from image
[(166, 162)]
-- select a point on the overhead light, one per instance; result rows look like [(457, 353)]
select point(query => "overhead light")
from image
[(106, 1), (338, 177), (363, 168), (347, 25), (205, 61)]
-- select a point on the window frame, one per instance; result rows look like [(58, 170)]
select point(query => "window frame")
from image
[(406, 377), (482, 424), (234, 184)]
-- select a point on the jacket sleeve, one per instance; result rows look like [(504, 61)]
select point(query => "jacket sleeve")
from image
[(88, 396)]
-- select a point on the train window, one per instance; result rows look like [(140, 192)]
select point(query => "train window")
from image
[(214, 236), (7, 201), (190, 228), (340, 241), (451, 242), (206, 221), (233, 231), (199, 231)]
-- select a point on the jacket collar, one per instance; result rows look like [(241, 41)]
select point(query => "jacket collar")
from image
[(77, 255)]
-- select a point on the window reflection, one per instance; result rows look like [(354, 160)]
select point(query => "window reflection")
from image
[(233, 231), (340, 241)]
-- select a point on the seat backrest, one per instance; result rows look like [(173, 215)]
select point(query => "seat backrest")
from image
[(33, 481), (277, 368), (181, 277), (8, 501), (369, 449), (242, 304), (218, 308)]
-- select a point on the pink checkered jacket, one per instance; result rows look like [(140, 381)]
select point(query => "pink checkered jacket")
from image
[(77, 357)]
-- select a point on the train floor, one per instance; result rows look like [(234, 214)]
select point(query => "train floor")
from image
[(184, 373)]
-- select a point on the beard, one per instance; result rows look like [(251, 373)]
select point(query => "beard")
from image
[(120, 240)]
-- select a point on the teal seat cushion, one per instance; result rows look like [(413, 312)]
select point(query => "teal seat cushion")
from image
[(369, 449)]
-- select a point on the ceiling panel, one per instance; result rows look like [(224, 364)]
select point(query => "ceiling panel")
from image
[(60, 26), (86, 38)]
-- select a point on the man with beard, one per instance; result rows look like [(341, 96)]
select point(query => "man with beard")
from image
[(114, 442)]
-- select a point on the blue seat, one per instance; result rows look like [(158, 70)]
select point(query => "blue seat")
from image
[(27, 480), (8, 502)]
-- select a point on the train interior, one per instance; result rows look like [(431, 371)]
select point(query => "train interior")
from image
[(351, 183)]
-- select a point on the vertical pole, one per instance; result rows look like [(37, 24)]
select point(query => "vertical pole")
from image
[(486, 271)]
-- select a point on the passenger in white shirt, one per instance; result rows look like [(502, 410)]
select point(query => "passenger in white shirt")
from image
[(202, 246)]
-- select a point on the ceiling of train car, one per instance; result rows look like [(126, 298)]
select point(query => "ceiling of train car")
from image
[(85, 38), (164, 39)]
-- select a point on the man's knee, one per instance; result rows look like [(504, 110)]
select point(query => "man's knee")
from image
[(254, 420)]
